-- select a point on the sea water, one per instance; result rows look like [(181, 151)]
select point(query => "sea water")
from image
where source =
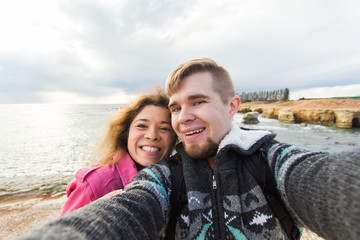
[(42, 145)]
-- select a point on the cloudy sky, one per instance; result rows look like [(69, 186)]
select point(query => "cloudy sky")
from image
[(108, 51)]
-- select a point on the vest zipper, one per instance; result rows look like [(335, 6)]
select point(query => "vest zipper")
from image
[(214, 182), (216, 212)]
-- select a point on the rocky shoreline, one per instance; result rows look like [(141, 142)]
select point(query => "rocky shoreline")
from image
[(334, 112)]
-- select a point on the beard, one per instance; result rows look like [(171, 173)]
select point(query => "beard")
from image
[(197, 151)]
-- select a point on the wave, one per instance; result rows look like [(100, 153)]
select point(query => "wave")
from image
[(34, 186)]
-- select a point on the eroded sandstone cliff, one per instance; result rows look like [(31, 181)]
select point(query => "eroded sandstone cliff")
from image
[(341, 112)]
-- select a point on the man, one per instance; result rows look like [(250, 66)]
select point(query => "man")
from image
[(320, 190)]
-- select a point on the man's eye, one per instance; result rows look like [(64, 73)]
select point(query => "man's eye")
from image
[(165, 129), (176, 109), (198, 103)]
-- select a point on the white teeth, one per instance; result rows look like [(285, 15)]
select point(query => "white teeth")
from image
[(150, 149), (193, 132)]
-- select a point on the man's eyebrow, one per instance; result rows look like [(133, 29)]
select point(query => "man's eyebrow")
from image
[(197, 96), (172, 104), (190, 98)]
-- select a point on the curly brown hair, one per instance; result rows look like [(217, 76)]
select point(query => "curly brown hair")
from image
[(116, 137)]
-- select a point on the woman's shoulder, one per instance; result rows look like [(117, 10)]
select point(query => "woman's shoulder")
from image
[(85, 172), (119, 174), (99, 179)]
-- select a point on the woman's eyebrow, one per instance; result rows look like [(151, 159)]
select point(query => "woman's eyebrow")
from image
[(142, 120), (147, 120)]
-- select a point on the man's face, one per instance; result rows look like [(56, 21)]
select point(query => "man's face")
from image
[(199, 117)]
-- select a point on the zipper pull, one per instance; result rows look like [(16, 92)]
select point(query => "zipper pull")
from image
[(214, 183)]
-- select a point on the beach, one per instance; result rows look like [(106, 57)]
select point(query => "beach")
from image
[(24, 215), (28, 201), (19, 216)]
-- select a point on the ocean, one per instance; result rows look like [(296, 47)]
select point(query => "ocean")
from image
[(42, 145)]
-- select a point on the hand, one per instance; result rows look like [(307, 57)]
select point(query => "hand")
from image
[(110, 194)]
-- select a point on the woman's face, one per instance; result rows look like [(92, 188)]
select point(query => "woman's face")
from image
[(150, 135)]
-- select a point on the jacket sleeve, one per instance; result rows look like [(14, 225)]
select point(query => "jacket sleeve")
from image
[(78, 196), (321, 190), (140, 212)]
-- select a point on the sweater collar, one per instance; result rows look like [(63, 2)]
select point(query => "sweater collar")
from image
[(245, 139)]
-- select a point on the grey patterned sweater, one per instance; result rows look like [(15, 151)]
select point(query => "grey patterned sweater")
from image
[(320, 190)]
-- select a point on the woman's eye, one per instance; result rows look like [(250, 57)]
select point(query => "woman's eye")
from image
[(141, 126)]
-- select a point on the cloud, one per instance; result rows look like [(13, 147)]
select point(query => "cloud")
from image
[(327, 92), (94, 49), (76, 98)]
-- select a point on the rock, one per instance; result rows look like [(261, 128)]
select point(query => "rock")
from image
[(244, 109), (315, 116), (250, 118), (303, 124), (286, 116), (269, 113), (313, 111), (356, 119), (256, 109), (337, 118), (344, 118)]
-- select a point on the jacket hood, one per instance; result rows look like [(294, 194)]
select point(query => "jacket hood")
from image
[(246, 140)]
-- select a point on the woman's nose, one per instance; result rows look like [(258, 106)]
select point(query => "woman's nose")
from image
[(152, 134)]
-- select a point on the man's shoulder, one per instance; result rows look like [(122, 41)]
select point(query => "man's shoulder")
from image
[(246, 141), (172, 160)]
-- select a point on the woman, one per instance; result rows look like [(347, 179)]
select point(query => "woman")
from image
[(138, 135)]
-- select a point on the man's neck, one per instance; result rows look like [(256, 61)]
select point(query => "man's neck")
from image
[(212, 163)]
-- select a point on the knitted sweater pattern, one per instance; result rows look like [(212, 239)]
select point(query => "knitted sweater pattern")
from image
[(227, 203), (320, 190)]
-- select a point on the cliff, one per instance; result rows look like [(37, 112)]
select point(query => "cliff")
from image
[(337, 112)]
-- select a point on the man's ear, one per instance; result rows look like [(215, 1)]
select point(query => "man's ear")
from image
[(234, 103)]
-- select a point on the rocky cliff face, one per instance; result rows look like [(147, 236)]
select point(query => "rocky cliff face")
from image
[(340, 113)]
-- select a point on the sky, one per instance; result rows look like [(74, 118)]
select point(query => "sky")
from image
[(110, 51)]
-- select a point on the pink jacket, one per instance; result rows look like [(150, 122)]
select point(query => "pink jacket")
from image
[(93, 182)]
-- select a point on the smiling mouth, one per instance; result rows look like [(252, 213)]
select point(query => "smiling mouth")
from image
[(194, 132), (150, 149)]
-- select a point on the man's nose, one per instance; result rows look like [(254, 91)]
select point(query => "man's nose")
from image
[(185, 115)]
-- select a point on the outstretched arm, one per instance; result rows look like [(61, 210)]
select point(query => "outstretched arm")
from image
[(321, 190), (140, 212)]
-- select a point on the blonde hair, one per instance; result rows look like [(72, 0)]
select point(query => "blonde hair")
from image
[(222, 83), (116, 137)]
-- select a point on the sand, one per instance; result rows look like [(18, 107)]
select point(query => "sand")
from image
[(21, 218)]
